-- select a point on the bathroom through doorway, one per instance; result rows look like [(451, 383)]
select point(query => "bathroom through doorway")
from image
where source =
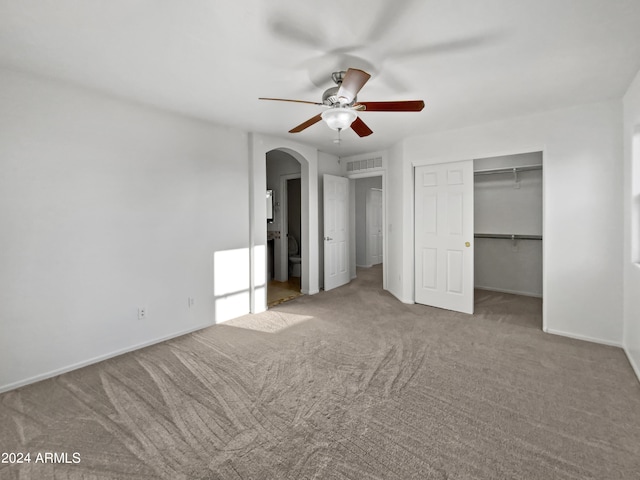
[(284, 232)]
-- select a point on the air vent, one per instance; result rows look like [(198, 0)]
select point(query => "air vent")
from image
[(366, 164)]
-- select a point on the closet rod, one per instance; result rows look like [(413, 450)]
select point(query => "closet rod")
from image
[(494, 171), (508, 236)]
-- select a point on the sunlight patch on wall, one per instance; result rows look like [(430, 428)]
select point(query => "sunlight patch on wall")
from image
[(231, 283)]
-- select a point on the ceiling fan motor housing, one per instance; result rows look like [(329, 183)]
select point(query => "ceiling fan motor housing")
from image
[(330, 95), (330, 98), (337, 77)]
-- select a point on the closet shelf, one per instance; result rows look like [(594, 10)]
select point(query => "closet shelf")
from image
[(508, 236), (494, 171)]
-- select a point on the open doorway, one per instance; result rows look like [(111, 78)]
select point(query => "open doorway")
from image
[(284, 230), (307, 157), (369, 229), (508, 220)]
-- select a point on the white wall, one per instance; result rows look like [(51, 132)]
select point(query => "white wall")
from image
[(632, 223), (504, 206), (502, 265), (399, 266), (106, 206), (582, 227)]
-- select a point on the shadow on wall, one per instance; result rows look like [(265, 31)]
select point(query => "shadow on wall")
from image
[(231, 284), (635, 226), (635, 196)]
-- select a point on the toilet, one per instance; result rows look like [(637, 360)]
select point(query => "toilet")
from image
[(294, 258)]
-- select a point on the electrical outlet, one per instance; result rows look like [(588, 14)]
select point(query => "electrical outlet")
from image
[(191, 301), (142, 313)]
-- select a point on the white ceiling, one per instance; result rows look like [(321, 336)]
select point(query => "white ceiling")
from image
[(471, 61)]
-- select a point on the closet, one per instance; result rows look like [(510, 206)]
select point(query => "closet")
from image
[(508, 224)]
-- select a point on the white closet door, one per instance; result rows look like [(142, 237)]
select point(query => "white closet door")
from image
[(444, 236)]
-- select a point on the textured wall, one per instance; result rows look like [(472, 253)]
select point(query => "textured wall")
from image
[(106, 206)]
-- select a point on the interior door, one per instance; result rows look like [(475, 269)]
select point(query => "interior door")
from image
[(336, 231), (444, 236), (374, 224)]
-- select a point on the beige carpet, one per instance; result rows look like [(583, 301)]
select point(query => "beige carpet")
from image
[(347, 384)]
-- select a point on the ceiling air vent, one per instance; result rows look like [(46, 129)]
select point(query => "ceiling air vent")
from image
[(366, 164)]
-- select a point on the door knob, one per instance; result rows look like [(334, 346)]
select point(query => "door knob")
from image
[(467, 244)]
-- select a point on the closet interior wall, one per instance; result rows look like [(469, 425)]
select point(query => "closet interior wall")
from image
[(508, 205)]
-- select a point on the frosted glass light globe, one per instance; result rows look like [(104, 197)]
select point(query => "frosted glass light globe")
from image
[(339, 118)]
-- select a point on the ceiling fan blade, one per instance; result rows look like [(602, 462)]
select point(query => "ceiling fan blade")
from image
[(308, 123), (290, 31), (361, 128), (288, 100), (398, 106), (351, 84), (388, 17), (448, 47)]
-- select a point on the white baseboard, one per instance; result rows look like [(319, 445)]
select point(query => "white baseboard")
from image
[(584, 338), (364, 266), (634, 365), (512, 292), (100, 358), (399, 297)]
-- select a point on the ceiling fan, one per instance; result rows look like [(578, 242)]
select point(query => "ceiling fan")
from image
[(342, 104)]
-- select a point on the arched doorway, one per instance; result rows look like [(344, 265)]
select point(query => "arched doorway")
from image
[(308, 159), (284, 227)]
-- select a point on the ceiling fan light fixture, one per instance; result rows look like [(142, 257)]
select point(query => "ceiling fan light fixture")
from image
[(339, 118), (343, 105)]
